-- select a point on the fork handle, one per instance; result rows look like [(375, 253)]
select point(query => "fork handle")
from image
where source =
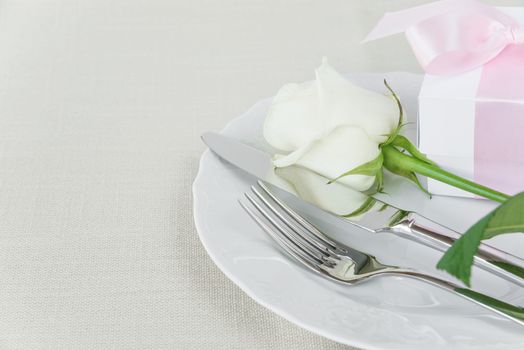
[(509, 311), (423, 230)]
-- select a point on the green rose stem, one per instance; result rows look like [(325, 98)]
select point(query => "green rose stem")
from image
[(395, 160)]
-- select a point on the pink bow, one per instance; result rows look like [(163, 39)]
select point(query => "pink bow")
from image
[(452, 36)]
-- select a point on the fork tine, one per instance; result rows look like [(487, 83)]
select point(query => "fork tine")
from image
[(290, 236), (298, 230), (303, 222), (311, 263)]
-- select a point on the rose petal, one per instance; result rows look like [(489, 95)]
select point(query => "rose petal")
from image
[(303, 112), (341, 150), (311, 187), (344, 103), (293, 120)]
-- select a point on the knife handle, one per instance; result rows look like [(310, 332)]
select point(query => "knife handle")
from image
[(423, 230)]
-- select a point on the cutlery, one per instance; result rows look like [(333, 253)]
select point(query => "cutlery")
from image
[(339, 262), (410, 225)]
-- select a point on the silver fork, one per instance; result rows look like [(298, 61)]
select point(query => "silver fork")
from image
[(338, 262)]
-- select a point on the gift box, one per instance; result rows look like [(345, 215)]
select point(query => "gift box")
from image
[(471, 104)]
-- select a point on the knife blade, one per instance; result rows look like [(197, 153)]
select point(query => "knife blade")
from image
[(412, 226)]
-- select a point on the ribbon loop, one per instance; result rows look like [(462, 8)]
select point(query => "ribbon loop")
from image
[(517, 35), (452, 36)]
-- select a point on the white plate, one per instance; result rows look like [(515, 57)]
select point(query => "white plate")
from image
[(385, 313)]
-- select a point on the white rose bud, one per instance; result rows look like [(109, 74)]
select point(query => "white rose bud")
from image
[(329, 126)]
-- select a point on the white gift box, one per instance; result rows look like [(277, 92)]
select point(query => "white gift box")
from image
[(472, 124)]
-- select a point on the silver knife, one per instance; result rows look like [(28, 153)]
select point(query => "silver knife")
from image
[(412, 226)]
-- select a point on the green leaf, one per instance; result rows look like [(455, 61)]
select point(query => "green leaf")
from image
[(395, 132), (383, 207), (458, 258), (403, 142), (398, 217), (512, 310), (371, 168), (380, 181), (397, 169), (364, 208), (507, 218), (516, 270), (413, 177)]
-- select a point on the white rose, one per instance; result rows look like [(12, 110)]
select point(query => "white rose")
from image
[(311, 187), (329, 126)]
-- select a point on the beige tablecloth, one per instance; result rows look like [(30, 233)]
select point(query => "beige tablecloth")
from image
[(101, 107)]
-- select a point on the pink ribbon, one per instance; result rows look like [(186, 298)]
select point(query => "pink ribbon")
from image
[(499, 122), (452, 36)]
